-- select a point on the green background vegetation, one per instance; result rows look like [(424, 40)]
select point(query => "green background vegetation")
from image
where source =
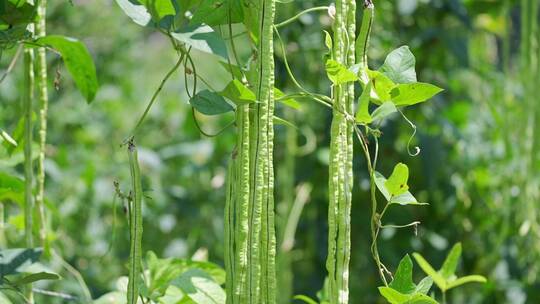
[(476, 169)]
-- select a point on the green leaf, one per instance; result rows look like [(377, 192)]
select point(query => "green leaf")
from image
[(159, 8), (399, 65), (34, 277), (338, 73), (202, 38), (10, 184), (210, 103), (290, 102), (397, 182), (428, 269), (420, 299), (465, 280), (425, 285), (402, 281), (381, 86), (328, 41), (393, 296), (405, 199), (200, 287), (305, 299), (17, 12), (217, 12), (238, 93), (8, 138), (380, 180), (362, 115), (449, 266), (138, 13), (413, 93), (78, 62), (383, 110)]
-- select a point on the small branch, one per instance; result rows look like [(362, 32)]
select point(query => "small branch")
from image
[(297, 16)]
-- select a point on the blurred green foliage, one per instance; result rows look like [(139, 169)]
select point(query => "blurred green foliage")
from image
[(473, 168)]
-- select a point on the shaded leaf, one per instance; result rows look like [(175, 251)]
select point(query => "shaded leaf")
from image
[(78, 62), (200, 287), (217, 12), (399, 65), (159, 8), (15, 260), (210, 103), (383, 110), (424, 285), (381, 86), (34, 277)]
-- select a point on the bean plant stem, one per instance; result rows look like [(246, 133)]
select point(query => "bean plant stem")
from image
[(44, 105), (297, 16), (28, 98)]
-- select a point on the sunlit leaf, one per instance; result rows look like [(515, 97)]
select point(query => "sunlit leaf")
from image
[(78, 62), (238, 93), (338, 73), (402, 281), (413, 93), (200, 287), (137, 12), (290, 102), (362, 115), (467, 279), (397, 182), (449, 266), (428, 269)]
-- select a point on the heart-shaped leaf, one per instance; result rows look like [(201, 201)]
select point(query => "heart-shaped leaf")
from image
[(210, 103), (399, 65)]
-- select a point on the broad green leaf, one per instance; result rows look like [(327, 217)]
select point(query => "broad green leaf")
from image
[(428, 269), (405, 199), (399, 65), (402, 281), (200, 287), (290, 102), (465, 280), (413, 93), (362, 115), (210, 103), (137, 12), (424, 285), (238, 93), (305, 299), (16, 260), (381, 86), (114, 297), (16, 13), (449, 266), (338, 73), (8, 138), (383, 110), (250, 10), (78, 62), (11, 188), (393, 296), (159, 8), (420, 299), (34, 277), (202, 38), (217, 12), (397, 182)]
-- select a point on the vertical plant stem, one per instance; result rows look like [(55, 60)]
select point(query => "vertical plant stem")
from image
[(341, 148), (136, 226), (28, 98), (44, 105)]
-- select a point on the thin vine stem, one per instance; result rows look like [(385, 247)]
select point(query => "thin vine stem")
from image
[(12, 63), (297, 16)]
